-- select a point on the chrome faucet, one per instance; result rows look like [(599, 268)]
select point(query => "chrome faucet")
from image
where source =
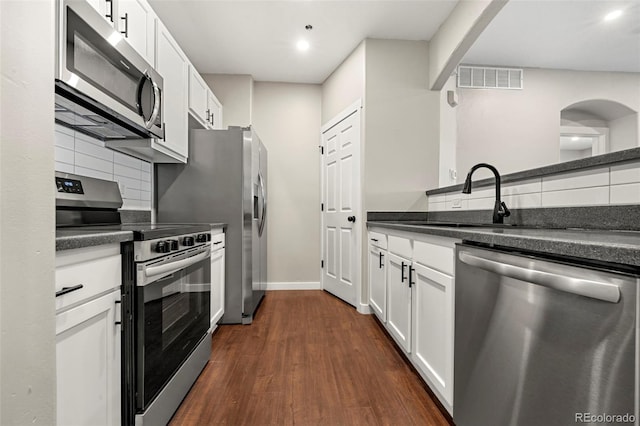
[(500, 209)]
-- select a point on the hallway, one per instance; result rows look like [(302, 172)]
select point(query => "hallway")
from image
[(307, 359)]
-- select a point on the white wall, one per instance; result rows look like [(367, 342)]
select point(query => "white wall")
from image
[(448, 136), (235, 92), (287, 119), (518, 129), (401, 148), (27, 220), (345, 85), (83, 155), (623, 132)]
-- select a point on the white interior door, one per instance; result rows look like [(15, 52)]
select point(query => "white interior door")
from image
[(341, 215)]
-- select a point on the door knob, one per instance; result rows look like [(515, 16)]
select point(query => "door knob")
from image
[(352, 219)]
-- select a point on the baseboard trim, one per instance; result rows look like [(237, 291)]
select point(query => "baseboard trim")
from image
[(294, 285), (364, 309)]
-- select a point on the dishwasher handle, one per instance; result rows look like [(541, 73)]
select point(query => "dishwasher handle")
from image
[(588, 288)]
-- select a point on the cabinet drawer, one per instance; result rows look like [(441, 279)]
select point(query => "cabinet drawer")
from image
[(378, 240), (217, 241), (438, 255), (96, 269), (400, 246)]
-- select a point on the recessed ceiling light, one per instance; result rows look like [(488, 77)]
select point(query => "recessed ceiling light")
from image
[(575, 139), (302, 45), (613, 15)]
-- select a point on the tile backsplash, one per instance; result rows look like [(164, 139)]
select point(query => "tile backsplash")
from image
[(83, 155), (614, 185)]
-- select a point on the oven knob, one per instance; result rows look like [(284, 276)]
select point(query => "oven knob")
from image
[(201, 238), (174, 244), (188, 241), (208, 237), (162, 247)]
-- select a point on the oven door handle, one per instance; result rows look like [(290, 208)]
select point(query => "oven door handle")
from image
[(168, 268)]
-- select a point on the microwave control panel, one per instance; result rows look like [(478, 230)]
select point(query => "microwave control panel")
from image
[(71, 186)]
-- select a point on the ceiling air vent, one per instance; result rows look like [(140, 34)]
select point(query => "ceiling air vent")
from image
[(489, 77)]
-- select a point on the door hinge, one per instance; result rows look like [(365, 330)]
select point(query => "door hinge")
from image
[(321, 149), (322, 264), (321, 207)]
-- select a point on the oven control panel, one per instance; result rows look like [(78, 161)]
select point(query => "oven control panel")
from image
[(70, 186), (150, 249)]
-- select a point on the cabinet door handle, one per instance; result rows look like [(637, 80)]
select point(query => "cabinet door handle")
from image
[(208, 113), (402, 277), (381, 256), (126, 25), (109, 15), (66, 290), (119, 302), (411, 270), (212, 119)]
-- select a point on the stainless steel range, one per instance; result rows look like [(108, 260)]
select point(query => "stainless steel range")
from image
[(165, 296)]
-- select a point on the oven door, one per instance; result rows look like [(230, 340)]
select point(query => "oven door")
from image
[(95, 63), (172, 316)]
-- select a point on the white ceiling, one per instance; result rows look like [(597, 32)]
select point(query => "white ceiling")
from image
[(561, 34), (259, 37)]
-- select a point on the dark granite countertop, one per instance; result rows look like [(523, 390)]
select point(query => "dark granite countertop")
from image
[(622, 247), (67, 239)]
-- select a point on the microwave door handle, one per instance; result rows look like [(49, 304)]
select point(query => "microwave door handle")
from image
[(168, 268), (574, 285), (156, 105), (156, 99)]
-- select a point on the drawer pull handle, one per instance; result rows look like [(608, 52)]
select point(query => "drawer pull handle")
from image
[(217, 242), (66, 290), (374, 239)]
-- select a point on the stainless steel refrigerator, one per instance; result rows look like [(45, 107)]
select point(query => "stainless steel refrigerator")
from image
[(225, 180)]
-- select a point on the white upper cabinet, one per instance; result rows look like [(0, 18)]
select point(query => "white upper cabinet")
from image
[(203, 104), (173, 65), (197, 95), (105, 8), (136, 23), (215, 111)]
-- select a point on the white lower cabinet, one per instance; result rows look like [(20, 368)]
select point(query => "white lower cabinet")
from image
[(217, 277), (419, 303), (433, 321), (88, 363), (378, 282), (399, 300), (88, 336)]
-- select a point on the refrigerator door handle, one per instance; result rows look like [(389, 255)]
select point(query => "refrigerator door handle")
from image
[(264, 204)]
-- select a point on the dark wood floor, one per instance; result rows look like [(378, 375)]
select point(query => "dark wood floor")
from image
[(307, 359)]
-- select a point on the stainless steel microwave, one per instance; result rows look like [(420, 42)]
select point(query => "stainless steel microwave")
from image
[(104, 88)]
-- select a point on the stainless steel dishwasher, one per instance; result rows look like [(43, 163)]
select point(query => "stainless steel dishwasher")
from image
[(543, 342)]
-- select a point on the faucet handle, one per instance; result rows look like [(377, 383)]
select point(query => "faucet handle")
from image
[(505, 211)]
